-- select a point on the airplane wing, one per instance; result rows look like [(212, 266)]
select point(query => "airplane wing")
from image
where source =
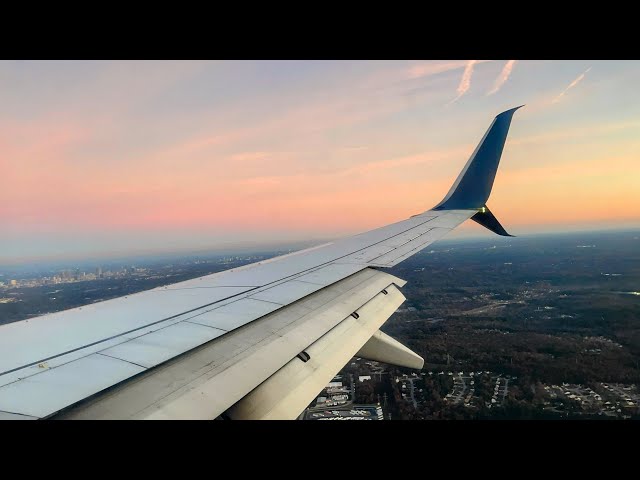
[(256, 342)]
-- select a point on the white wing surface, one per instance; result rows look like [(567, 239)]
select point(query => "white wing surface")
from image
[(258, 341)]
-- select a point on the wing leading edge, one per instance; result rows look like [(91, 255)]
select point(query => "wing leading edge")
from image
[(157, 354)]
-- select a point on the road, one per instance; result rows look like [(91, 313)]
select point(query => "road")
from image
[(412, 390), (459, 389), (506, 387)]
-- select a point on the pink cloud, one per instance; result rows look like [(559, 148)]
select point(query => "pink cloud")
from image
[(465, 81)]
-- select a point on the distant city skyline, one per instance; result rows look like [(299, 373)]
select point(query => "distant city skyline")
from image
[(105, 158)]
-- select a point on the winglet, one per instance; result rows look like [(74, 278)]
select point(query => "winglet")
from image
[(485, 218), (472, 188)]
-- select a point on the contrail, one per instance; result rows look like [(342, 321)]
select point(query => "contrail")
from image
[(503, 77), (571, 85), (465, 81)]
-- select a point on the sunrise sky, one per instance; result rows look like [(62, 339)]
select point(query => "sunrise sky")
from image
[(114, 157)]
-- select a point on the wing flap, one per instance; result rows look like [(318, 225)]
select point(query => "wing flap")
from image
[(286, 393)]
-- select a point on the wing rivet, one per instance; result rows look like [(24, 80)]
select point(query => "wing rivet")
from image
[(355, 315), (385, 292)]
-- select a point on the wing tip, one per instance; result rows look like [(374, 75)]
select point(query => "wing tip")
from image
[(511, 111), (474, 183)]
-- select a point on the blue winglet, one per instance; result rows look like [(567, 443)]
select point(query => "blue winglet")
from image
[(473, 186)]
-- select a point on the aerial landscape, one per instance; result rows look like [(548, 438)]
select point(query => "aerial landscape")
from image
[(320, 240), (545, 326)]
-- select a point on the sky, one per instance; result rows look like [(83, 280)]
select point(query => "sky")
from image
[(114, 157)]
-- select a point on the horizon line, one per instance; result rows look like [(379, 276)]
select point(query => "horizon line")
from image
[(244, 248)]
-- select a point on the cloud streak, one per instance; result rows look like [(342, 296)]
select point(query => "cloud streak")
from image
[(465, 81), (575, 82), (503, 77)]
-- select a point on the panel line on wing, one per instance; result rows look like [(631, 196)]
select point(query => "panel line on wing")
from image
[(310, 283), (123, 359), (262, 300), (205, 325), (212, 287), (14, 414)]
